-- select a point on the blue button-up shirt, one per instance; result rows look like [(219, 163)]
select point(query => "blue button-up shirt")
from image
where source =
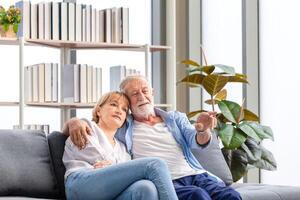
[(180, 127)]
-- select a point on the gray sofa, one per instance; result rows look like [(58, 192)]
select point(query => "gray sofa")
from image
[(31, 168)]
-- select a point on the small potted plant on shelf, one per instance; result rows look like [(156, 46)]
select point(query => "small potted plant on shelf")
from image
[(9, 21), (238, 128)]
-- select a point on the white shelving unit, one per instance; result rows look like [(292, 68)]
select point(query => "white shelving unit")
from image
[(65, 47)]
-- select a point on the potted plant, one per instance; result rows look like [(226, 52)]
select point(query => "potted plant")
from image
[(238, 128), (9, 21)]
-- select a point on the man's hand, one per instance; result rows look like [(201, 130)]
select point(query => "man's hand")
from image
[(78, 131), (204, 124)]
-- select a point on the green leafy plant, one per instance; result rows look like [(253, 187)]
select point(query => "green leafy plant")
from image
[(11, 16), (238, 128)]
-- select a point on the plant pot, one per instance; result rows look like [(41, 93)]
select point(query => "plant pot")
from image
[(9, 33)]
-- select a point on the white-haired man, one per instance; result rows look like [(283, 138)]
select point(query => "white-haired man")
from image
[(150, 131)]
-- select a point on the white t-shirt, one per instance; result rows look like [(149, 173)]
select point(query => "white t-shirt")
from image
[(97, 149), (158, 141)]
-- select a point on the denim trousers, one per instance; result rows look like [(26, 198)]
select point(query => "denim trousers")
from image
[(203, 187), (139, 179)]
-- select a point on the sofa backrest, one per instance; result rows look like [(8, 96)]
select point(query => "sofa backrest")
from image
[(25, 165), (56, 141), (212, 159)]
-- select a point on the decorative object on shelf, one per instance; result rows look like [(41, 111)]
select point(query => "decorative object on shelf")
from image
[(9, 21), (238, 128)]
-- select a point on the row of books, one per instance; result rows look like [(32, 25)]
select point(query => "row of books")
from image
[(82, 83), (43, 127), (41, 82), (118, 73), (73, 22)]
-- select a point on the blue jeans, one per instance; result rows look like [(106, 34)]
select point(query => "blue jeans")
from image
[(140, 179), (204, 187)]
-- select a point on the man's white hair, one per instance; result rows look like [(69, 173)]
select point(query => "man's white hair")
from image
[(130, 78)]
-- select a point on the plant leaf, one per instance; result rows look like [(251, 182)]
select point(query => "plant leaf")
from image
[(250, 116), (193, 80), (259, 129), (237, 79), (208, 69), (231, 137), (268, 131), (253, 150), (244, 76), (230, 110), (251, 130), (237, 161), (267, 160), (225, 68), (192, 114), (214, 83), (210, 102), (190, 62), (221, 95)]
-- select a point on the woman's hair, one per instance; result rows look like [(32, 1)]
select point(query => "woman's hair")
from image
[(106, 98)]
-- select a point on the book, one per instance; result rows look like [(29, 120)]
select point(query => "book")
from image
[(89, 83), (98, 83), (48, 20), (64, 21), (34, 21), (117, 74), (71, 21), (108, 26), (24, 26), (41, 21), (88, 23), (78, 23), (54, 82), (124, 23), (41, 82), (83, 83), (28, 83), (56, 15), (70, 90), (48, 82)]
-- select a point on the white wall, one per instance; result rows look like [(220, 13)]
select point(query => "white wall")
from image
[(279, 86)]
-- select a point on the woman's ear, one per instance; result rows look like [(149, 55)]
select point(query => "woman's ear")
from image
[(99, 111)]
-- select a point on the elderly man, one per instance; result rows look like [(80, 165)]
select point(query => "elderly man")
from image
[(150, 131)]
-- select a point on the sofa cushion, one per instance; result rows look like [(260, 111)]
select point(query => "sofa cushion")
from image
[(56, 141), (255, 191), (25, 168), (212, 159)]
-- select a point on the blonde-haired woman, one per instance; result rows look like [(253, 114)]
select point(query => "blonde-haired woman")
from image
[(104, 170)]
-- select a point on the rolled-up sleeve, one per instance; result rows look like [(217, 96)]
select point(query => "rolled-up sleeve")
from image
[(188, 131)]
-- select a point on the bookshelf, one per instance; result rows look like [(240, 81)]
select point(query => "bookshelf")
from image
[(65, 48)]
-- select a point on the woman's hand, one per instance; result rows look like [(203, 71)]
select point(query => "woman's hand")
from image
[(102, 164)]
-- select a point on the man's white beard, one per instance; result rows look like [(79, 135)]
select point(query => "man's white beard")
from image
[(144, 111)]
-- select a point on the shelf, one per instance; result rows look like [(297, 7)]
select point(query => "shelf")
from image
[(78, 105), (95, 45), (63, 105), (9, 41), (7, 103)]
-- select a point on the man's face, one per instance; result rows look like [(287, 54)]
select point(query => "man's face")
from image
[(141, 97)]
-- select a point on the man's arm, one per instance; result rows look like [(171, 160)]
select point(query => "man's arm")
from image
[(77, 129)]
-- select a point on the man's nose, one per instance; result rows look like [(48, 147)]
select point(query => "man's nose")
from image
[(141, 96)]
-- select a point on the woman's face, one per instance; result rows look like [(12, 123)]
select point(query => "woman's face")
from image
[(113, 113)]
